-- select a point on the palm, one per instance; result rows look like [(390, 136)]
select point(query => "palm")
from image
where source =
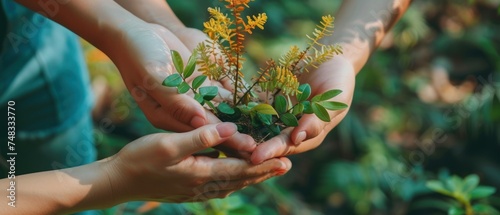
[(145, 62), (335, 74)]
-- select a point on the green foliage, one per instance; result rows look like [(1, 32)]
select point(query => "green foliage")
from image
[(222, 57), (406, 125), (464, 191)]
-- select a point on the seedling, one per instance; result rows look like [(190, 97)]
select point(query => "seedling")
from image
[(467, 193), (274, 99)]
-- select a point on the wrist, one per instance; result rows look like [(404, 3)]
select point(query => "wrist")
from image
[(118, 182)]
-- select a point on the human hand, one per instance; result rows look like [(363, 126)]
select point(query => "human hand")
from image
[(161, 167), (338, 73), (144, 61)]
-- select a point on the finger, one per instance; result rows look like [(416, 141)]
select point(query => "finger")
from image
[(233, 169), (181, 107), (156, 114), (237, 184), (275, 147), (201, 138), (238, 145), (309, 127)]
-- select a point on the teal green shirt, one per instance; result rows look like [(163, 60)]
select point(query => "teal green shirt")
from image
[(42, 69)]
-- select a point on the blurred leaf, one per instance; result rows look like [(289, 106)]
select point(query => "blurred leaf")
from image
[(265, 118), (265, 109), (454, 184), (289, 120), (198, 81), (245, 210), (177, 60), (320, 112), (481, 192), (456, 211), (437, 186), (172, 80), (432, 203), (183, 88), (470, 182), (280, 104), (483, 209)]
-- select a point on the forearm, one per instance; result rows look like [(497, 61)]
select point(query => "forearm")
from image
[(59, 191), (361, 25), (153, 11), (101, 22)]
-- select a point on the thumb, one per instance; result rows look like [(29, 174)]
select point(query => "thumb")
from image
[(309, 127), (202, 138)]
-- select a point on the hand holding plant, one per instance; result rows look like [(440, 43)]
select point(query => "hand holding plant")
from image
[(285, 99)]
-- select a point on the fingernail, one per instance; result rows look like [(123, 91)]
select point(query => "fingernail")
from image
[(300, 137), (226, 129), (282, 170), (197, 121)]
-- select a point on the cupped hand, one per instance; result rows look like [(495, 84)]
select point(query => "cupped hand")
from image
[(161, 167), (144, 61), (337, 73)]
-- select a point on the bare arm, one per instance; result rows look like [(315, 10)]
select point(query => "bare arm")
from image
[(156, 167), (361, 25), (153, 11), (100, 22), (60, 191)]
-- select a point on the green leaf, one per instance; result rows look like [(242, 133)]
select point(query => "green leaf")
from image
[(172, 80), (280, 104), (326, 95), (304, 92), (456, 211), (265, 118), (437, 186), (209, 92), (245, 210), (481, 192), (289, 120), (333, 105), (199, 98), (264, 109), (191, 65), (484, 209), (275, 129), (454, 183), (198, 81), (178, 63), (307, 107), (298, 109), (470, 182), (320, 112), (225, 108), (183, 88)]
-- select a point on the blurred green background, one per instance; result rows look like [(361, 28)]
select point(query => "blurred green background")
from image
[(426, 107)]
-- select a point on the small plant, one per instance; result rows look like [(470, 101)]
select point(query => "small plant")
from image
[(467, 193), (282, 101)]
